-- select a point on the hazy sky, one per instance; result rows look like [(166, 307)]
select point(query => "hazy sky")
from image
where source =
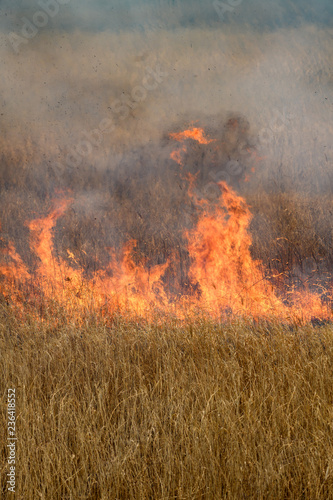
[(100, 15), (261, 59)]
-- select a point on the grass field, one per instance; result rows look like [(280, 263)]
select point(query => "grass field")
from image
[(133, 410), (109, 407), (166, 250)]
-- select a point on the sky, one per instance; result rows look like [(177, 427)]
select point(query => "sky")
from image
[(141, 69), (98, 15)]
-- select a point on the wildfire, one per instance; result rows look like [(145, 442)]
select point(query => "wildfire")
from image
[(225, 279), (222, 264)]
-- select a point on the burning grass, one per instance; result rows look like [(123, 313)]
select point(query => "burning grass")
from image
[(221, 277), (195, 410), (164, 344), (140, 239)]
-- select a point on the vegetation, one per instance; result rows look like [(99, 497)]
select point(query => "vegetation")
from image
[(136, 410), (112, 407)]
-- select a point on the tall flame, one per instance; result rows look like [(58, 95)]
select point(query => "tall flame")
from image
[(225, 277), (229, 279)]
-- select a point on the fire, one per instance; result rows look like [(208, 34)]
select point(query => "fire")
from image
[(131, 286), (177, 155), (229, 279), (18, 269), (195, 133), (225, 280), (41, 231)]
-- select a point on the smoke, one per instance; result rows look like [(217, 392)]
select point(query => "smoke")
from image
[(62, 85)]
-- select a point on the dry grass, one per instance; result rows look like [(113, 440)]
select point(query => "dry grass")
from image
[(167, 411), (140, 411), (293, 232)]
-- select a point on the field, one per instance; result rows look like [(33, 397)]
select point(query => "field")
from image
[(166, 250), (139, 410), (163, 345)]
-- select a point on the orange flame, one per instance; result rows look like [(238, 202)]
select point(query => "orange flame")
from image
[(195, 133), (225, 277), (176, 155), (229, 279), (18, 269)]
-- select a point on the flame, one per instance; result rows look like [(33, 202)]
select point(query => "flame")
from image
[(229, 279), (18, 269), (177, 155), (195, 133), (41, 238), (225, 280), (131, 286)]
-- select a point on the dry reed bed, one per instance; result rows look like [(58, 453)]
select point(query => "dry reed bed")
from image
[(141, 411)]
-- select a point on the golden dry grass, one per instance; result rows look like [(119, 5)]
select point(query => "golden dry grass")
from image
[(140, 411)]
